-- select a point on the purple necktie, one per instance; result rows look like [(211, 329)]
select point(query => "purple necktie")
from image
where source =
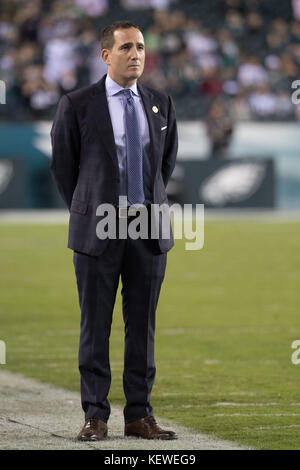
[(134, 151)]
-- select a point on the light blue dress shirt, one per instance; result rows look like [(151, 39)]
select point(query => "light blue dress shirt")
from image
[(116, 105)]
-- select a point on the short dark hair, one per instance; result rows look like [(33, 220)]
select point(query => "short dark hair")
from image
[(107, 35)]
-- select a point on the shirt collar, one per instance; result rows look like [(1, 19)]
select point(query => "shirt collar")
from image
[(112, 88)]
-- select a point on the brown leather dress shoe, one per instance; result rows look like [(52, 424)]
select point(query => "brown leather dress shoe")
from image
[(93, 430), (147, 428)]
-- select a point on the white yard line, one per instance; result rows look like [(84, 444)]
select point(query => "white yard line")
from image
[(230, 415), (61, 216), (35, 415)]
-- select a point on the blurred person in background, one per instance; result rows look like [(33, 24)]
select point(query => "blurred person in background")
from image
[(219, 129), (263, 102)]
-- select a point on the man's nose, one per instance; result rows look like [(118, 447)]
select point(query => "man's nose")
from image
[(135, 54)]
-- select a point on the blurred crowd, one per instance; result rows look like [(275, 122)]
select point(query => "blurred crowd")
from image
[(236, 57)]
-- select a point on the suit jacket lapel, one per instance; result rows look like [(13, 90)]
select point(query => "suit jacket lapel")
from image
[(102, 121), (154, 122)]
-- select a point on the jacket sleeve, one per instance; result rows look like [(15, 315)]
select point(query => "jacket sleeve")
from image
[(171, 145), (65, 139)]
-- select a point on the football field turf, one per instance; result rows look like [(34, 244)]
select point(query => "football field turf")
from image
[(226, 319)]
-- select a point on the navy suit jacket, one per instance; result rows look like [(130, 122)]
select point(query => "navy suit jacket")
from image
[(84, 159)]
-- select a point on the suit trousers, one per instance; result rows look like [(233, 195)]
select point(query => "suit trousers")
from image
[(141, 268)]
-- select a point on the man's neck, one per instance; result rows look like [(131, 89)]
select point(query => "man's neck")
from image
[(123, 84)]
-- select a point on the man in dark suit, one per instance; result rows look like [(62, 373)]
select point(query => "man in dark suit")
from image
[(116, 138)]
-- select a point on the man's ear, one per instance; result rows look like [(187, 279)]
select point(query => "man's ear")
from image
[(105, 54)]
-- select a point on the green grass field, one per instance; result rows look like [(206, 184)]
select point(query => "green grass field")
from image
[(226, 319)]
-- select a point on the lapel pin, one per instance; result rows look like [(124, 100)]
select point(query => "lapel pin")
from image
[(155, 109)]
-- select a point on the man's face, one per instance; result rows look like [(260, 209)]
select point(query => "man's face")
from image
[(127, 57)]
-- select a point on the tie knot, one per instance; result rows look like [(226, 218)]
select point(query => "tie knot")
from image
[(127, 93)]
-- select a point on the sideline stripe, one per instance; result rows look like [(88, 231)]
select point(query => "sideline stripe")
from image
[(55, 216), (221, 415), (34, 415)]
